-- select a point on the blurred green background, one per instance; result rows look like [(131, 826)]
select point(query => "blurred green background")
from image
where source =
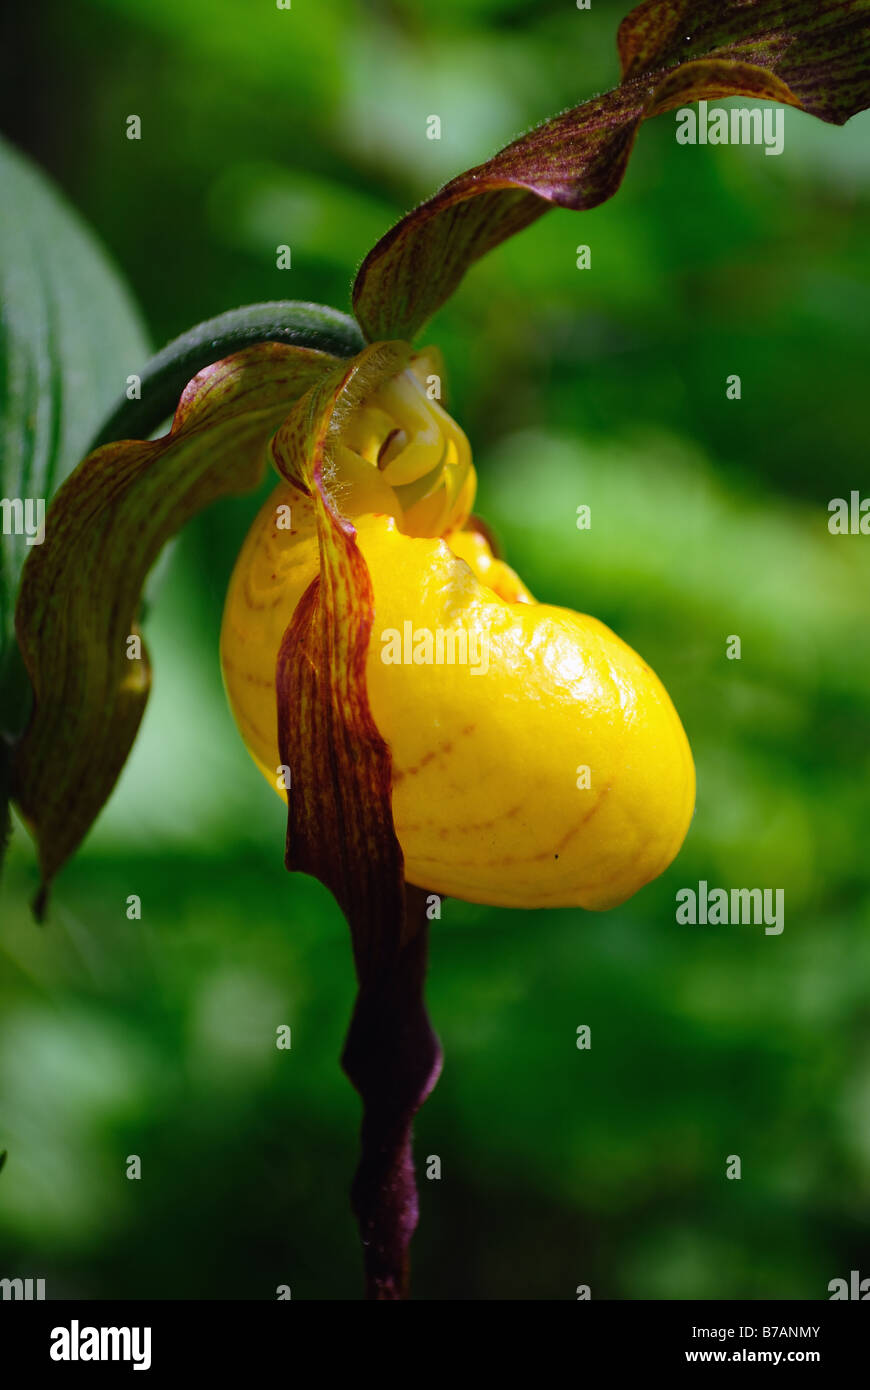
[(604, 387)]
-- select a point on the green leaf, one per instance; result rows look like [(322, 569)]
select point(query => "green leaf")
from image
[(81, 589), (69, 335), (163, 379), (813, 54)]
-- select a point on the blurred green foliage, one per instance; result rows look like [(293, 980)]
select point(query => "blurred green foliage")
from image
[(606, 387)]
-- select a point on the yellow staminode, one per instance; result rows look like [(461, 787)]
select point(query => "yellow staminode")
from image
[(562, 776), (401, 454)]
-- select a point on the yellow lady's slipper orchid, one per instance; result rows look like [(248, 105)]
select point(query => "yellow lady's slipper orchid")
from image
[(544, 764), (447, 732)]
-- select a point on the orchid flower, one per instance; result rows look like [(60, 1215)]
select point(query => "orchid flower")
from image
[(405, 777)]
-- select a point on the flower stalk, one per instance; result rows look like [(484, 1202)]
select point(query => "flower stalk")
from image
[(393, 1059)]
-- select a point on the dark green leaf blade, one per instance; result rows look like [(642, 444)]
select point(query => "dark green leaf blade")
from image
[(164, 377), (812, 54), (69, 335)]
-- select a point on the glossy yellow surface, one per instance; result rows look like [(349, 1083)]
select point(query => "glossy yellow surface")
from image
[(489, 795)]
